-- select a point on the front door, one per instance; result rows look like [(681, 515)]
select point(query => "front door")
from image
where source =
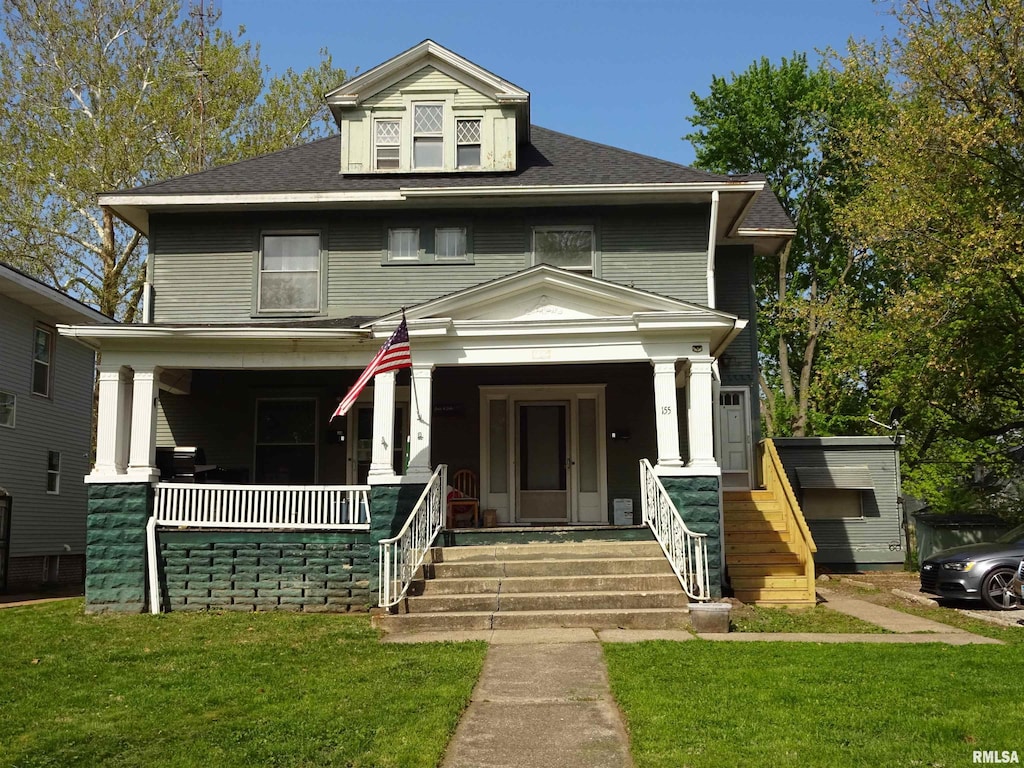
[(543, 461)]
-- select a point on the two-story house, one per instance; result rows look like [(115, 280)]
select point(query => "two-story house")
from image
[(572, 308), (46, 391)]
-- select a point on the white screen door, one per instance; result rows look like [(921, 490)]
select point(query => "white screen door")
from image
[(543, 461)]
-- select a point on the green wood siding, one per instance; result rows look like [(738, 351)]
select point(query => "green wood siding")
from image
[(204, 266), (43, 523)]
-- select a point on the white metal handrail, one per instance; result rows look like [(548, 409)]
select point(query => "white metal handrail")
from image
[(212, 505), (402, 555), (686, 551), (267, 507)]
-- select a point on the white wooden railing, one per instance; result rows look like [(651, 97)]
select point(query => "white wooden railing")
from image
[(686, 551), (316, 507), (267, 507), (402, 555)]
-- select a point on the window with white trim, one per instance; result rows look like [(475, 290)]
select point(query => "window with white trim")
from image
[(467, 143), (450, 244), (53, 472), (42, 361), (289, 279), (8, 406), (403, 244), (428, 136), (568, 247), (387, 141)]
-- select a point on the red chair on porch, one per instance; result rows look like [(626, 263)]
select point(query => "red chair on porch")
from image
[(464, 498)]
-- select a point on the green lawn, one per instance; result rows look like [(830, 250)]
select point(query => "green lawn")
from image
[(813, 619), (703, 703), (223, 690)]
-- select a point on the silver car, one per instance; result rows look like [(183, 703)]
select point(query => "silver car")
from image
[(977, 571)]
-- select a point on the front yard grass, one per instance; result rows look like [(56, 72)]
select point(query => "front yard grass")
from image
[(704, 703), (223, 689), (750, 618)]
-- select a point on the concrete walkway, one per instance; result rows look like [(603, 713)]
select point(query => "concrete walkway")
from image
[(540, 705), (886, 618)]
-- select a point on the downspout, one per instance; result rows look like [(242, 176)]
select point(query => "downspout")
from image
[(147, 291), (712, 232)]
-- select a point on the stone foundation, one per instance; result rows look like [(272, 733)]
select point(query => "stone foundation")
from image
[(115, 579)]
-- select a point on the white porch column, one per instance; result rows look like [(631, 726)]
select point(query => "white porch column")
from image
[(666, 418), (419, 423), (381, 456), (112, 424), (142, 455), (700, 407)]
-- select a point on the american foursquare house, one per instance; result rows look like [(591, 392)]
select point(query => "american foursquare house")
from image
[(582, 328)]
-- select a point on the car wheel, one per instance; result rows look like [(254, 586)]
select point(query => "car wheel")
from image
[(995, 591)]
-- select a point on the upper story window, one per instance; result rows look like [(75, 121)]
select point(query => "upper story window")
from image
[(568, 247), (387, 144), (467, 140), (8, 406), (403, 244), (42, 361), (450, 243), (428, 136), (289, 279)]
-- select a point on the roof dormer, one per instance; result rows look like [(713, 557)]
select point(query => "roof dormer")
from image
[(428, 110)]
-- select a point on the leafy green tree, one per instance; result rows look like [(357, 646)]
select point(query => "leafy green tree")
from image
[(788, 121), (102, 95), (943, 205)]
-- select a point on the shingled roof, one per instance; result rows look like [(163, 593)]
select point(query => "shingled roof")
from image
[(551, 159)]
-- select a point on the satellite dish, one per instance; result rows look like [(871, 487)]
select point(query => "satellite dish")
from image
[(896, 415)]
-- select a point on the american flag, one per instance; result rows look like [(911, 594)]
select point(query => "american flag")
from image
[(393, 355)]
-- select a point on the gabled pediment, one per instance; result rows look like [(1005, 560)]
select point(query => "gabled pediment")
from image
[(426, 54), (545, 294)]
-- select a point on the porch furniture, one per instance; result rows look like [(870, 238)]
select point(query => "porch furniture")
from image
[(183, 464), (464, 498)]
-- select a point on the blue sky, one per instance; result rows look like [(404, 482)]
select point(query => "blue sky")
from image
[(615, 71)]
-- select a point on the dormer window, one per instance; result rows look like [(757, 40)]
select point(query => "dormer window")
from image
[(428, 136), (387, 141), (467, 138)]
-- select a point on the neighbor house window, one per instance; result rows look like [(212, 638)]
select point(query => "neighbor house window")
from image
[(8, 402), (387, 134), (42, 361), (450, 243), (403, 244), (568, 247), (286, 441), (428, 136), (53, 472), (467, 139), (290, 273)]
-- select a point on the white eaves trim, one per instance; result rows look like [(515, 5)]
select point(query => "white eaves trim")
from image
[(203, 332), (42, 297), (765, 232), (409, 193)]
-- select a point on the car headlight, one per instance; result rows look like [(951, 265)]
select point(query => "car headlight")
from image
[(958, 566)]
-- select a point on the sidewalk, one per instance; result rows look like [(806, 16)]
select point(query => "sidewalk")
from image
[(541, 705)]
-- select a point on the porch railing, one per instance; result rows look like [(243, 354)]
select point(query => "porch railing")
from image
[(268, 507), (402, 555), (686, 551), (319, 507)]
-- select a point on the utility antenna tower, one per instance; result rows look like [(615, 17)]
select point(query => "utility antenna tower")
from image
[(204, 13)]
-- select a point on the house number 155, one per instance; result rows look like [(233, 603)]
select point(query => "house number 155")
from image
[(666, 410)]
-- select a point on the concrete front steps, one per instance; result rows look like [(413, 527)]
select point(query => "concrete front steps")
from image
[(764, 567), (593, 584)]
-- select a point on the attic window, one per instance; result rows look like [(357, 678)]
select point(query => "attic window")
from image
[(387, 135), (428, 136), (467, 140)]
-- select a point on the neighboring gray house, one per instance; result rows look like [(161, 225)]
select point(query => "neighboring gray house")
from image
[(849, 490), (572, 308), (46, 388)]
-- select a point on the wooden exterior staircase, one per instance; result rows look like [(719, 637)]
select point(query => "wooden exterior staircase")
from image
[(769, 552)]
